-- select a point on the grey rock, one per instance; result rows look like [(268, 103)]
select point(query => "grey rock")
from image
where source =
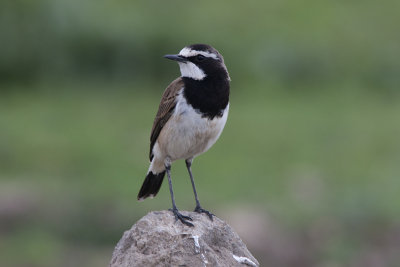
[(158, 239)]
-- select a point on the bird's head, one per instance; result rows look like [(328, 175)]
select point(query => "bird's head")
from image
[(199, 61)]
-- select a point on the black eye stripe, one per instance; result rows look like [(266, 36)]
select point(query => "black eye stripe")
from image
[(200, 57)]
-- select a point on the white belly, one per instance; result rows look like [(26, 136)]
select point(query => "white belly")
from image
[(187, 134)]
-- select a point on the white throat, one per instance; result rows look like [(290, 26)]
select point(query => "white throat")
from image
[(190, 70)]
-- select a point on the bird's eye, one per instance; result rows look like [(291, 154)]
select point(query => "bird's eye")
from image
[(200, 57)]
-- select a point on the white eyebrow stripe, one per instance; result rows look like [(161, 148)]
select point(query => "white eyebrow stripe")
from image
[(187, 52)]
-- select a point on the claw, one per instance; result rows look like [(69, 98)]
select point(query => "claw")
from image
[(201, 210), (181, 217)]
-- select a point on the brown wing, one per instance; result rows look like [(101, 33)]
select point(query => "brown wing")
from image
[(165, 110)]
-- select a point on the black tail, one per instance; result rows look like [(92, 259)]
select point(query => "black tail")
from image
[(151, 185)]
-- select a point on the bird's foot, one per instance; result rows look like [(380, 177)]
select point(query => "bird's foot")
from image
[(184, 219), (199, 209)]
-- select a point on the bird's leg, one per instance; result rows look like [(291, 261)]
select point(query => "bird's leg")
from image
[(177, 214), (198, 208)]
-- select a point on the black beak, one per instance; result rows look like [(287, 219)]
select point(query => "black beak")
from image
[(178, 58)]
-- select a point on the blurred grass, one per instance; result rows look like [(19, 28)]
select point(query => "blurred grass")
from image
[(294, 43), (79, 158), (311, 141)]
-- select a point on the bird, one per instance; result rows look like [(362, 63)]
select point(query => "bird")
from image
[(191, 116)]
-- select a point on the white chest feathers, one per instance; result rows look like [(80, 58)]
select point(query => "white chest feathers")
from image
[(187, 134)]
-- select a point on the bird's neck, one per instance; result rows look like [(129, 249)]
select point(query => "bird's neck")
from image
[(209, 96)]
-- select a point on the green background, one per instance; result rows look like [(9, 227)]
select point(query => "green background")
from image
[(307, 169)]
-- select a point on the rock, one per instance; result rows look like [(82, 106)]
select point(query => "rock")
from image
[(158, 240)]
